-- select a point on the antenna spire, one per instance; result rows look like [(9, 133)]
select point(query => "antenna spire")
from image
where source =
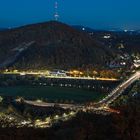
[(56, 15)]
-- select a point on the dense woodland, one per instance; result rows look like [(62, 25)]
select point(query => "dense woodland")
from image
[(50, 45)]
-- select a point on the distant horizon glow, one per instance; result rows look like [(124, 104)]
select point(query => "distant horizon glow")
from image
[(96, 14)]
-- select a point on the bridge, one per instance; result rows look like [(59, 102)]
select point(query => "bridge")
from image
[(118, 90)]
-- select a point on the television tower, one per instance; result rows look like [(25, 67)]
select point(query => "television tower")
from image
[(56, 15)]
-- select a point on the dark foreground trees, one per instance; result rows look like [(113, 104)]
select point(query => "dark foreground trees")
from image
[(86, 126)]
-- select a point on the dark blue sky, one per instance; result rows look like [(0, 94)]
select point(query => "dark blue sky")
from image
[(101, 14)]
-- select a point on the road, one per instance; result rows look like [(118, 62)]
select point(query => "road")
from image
[(43, 104), (43, 74)]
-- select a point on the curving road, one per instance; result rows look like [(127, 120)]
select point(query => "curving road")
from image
[(43, 104)]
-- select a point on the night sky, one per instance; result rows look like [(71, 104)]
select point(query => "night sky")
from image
[(98, 14)]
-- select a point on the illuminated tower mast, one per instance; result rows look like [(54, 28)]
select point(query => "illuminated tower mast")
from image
[(56, 15)]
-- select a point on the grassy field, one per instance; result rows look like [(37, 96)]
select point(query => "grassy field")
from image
[(52, 93)]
